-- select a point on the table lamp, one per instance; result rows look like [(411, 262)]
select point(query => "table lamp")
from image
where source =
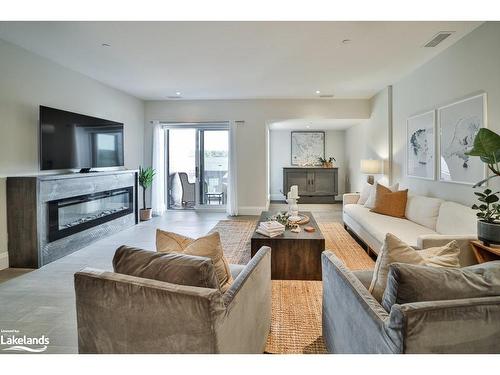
[(371, 167)]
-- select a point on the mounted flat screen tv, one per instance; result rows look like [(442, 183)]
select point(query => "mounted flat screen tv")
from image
[(74, 141)]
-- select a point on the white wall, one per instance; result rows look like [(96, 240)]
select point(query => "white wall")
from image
[(280, 156), (368, 140), (469, 66), (253, 184), (27, 81)]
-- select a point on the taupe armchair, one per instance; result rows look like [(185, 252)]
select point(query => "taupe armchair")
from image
[(117, 313)]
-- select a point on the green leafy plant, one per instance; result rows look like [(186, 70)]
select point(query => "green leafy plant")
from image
[(487, 147), (146, 176), (324, 160), (282, 218), (489, 209)]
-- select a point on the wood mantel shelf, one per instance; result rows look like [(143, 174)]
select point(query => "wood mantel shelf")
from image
[(485, 253)]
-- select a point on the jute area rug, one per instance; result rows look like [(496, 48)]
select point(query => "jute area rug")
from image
[(296, 305)]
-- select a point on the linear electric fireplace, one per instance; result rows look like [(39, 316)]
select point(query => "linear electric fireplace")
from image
[(72, 215)]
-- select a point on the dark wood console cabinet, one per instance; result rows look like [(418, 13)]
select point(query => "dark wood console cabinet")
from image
[(316, 184)]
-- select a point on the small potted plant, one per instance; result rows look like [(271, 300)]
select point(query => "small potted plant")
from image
[(488, 229), (327, 163), (487, 147), (146, 176)]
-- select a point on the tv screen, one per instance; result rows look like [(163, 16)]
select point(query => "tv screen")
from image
[(73, 141)]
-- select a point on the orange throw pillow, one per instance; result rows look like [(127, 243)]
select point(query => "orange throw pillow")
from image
[(390, 203)]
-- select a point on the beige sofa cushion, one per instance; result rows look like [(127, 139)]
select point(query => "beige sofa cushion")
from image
[(378, 225), (208, 246), (455, 218), (396, 251), (423, 210)]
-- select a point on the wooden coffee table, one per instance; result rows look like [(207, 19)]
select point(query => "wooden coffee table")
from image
[(294, 256)]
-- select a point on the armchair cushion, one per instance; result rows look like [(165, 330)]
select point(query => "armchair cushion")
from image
[(173, 268), (396, 251), (206, 246), (408, 283)]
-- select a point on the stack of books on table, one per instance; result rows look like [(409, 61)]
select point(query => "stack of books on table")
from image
[(270, 228)]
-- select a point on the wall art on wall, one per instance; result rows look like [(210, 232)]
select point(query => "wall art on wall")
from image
[(307, 147), (458, 124), (421, 146)]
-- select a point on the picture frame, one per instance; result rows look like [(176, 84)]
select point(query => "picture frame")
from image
[(307, 147), (458, 124), (421, 146)]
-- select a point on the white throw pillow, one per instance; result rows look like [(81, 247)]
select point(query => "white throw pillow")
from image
[(370, 203), (365, 193)]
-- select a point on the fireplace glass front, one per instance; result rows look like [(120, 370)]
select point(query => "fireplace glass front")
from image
[(72, 215)]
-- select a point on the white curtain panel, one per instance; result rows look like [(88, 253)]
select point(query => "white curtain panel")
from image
[(232, 193), (158, 164)]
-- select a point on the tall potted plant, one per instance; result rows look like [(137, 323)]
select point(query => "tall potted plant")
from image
[(487, 147), (146, 176)]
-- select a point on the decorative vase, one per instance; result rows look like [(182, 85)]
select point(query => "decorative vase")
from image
[(328, 164), (489, 233), (293, 210), (145, 214)]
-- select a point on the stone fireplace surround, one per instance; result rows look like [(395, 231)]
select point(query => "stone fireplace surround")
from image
[(30, 205)]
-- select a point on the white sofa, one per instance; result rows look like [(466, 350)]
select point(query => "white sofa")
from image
[(429, 222)]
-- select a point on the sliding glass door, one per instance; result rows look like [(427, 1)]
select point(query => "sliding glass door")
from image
[(214, 166), (197, 166)]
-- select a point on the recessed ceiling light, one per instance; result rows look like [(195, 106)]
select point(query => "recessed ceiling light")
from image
[(106, 45), (307, 126), (178, 93), (347, 41), (318, 92)]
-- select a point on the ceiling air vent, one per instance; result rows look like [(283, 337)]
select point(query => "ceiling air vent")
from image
[(438, 38), (326, 96)]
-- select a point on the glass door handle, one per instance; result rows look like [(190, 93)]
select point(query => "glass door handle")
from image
[(196, 172)]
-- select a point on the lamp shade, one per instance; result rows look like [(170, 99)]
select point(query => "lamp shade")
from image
[(370, 166)]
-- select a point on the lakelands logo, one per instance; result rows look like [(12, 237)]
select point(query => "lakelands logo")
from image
[(22, 343)]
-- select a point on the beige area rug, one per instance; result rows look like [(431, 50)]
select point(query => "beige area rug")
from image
[(296, 305)]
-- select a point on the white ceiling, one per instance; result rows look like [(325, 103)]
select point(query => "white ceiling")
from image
[(234, 60), (314, 124)]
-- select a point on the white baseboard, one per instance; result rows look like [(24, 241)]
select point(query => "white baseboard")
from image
[(251, 210), (4, 261)]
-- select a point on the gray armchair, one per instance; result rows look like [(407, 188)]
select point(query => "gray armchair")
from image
[(354, 322), (117, 313)]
